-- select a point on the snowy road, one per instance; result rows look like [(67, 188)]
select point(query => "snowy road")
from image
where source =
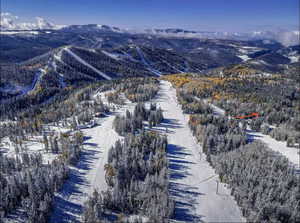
[(193, 180), (89, 172)]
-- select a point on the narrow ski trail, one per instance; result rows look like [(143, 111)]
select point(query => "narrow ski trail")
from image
[(80, 60), (88, 174), (192, 180)]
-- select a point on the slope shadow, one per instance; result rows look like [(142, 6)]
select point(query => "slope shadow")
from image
[(179, 169), (166, 126), (171, 123), (251, 137), (66, 210)]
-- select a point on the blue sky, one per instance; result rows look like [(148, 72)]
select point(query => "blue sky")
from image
[(221, 15)]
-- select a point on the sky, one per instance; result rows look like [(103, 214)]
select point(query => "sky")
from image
[(208, 15)]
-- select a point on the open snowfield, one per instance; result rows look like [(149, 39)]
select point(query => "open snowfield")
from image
[(193, 181)]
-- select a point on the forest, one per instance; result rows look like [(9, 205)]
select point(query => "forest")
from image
[(263, 183)]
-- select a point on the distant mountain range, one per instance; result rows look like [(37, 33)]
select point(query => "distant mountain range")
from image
[(10, 26)]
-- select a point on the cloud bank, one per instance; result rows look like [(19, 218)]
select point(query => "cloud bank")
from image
[(12, 22)]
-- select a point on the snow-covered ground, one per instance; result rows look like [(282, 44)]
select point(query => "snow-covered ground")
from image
[(33, 144), (217, 111), (114, 56), (23, 89), (171, 66), (244, 57), (294, 59), (89, 173), (193, 181)]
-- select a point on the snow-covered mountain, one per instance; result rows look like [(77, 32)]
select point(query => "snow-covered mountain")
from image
[(91, 28), (11, 23)]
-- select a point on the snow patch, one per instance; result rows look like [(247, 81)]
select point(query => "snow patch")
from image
[(244, 57), (294, 59)]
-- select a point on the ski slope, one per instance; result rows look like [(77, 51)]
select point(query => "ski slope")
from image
[(89, 173), (80, 60), (278, 146), (192, 180), (146, 63)]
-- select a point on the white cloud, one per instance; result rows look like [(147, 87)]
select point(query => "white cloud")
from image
[(11, 22), (288, 38), (8, 20)]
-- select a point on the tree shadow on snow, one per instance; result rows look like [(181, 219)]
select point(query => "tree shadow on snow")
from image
[(174, 152), (251, 137), (185, 196), (90, 144), (86, 159), (66, 210), (165, 127), (85, 138)]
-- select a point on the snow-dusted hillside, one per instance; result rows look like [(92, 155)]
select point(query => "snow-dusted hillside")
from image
[(193, 180)]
